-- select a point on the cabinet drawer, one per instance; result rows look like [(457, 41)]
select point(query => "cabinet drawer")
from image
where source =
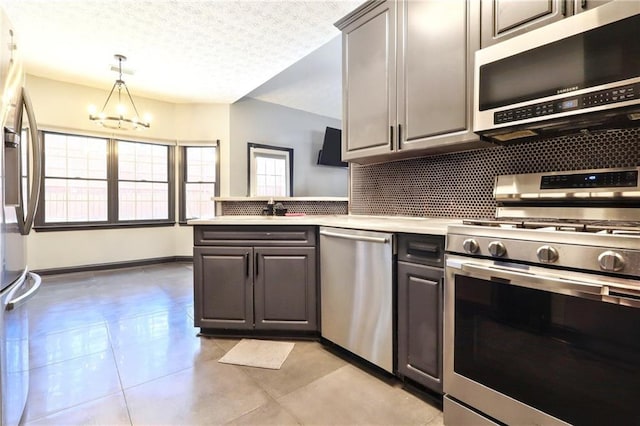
[(421, 249), (241, 235)]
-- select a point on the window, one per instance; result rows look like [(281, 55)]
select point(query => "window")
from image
[(199, 177), (75, 179), (270, 170), (91, 181), (143, 181)]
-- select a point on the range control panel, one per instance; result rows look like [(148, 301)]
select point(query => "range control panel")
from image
[(569, 103), (626, 178)]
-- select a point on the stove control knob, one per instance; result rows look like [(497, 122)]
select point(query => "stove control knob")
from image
[(497, 249), (611, 261), (470, 245), (547, 254)]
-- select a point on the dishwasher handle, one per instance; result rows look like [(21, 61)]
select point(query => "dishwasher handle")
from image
[(365, 238)]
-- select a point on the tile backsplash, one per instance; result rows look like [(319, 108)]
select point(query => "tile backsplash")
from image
[(461, 184), (254, 208)]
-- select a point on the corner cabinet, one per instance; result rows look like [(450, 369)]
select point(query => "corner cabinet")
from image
[(407, 78), (504, 19), (255, 278)]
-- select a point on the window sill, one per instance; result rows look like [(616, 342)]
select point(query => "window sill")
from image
[(86, 226)]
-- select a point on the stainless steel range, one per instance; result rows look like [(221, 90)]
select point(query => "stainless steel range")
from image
[(542, 318)]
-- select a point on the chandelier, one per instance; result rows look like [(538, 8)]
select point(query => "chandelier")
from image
[(115, 117)]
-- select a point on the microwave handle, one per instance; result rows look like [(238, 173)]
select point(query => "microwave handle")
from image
[(587, 289)]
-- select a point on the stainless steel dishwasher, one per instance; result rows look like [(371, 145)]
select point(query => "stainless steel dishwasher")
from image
[(356, 273)]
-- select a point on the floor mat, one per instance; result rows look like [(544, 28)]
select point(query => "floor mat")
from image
[(258, 353)]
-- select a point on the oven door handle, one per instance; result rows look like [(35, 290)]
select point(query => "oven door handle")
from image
[(593, 289)]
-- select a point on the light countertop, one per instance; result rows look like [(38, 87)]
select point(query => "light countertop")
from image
[(282, 199), (417, 225)]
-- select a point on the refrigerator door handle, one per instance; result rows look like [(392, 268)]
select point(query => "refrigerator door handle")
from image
[(13, 303), (36, 178)]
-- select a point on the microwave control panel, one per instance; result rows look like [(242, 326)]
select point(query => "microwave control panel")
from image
[(569, 103)]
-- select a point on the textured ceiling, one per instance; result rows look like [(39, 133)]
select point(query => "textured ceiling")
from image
[(180, 51)]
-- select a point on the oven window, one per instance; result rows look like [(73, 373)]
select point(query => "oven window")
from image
[(573, 358)]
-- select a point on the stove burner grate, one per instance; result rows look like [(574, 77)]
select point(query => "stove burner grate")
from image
[(604, 227)]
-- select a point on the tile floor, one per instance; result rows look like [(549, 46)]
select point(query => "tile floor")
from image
[(119, 347)]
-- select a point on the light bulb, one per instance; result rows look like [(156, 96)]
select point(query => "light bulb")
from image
[(92, 109), (121, 109), (147, 117)]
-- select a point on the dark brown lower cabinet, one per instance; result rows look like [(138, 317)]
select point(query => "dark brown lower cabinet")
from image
[(223, 287), (268, 285), (284, 290), (420, 304), (420, 324)]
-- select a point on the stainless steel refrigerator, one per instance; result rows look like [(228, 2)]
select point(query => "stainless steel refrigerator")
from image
[(20, 158)]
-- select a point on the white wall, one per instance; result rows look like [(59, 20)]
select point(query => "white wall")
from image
[(64, 106), (270, 124)]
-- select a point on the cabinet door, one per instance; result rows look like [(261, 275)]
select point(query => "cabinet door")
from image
[(223, 287), (503, 19), (436, 49), (285, 288), (369, 78), (420, 324), (584, 5)]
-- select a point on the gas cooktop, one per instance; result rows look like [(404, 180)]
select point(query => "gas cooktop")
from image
[(585, 220), (600, 226)]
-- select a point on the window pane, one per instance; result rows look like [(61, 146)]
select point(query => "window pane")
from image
[(271, 174), (142, 161), (199, 185), (270, 166), (143, 201), (75, 200), (198, 200), (75, 156), (201, 164)]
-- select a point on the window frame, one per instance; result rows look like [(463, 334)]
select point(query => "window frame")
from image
[(112, 222), (182, 177), (250, 169), (170, 186)]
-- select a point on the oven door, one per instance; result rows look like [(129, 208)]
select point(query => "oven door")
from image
[(532, 345)]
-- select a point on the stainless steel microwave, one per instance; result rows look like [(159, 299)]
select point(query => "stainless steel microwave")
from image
[(578, 74)]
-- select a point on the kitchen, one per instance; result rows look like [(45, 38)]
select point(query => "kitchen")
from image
[(433, 186)]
